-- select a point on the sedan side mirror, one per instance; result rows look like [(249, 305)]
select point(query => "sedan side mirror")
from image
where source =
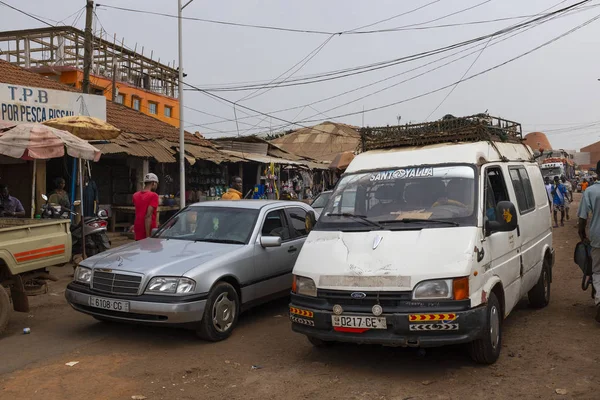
[(311, 220), (270, 241), (506, 218)]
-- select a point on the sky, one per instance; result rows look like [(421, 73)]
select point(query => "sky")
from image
[(554, 89)]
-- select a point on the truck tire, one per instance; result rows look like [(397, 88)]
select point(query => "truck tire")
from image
[(539, 295), (221, 313), (486, 349), (5, 309)]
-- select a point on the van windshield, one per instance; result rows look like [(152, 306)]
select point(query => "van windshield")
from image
[(403, 198)]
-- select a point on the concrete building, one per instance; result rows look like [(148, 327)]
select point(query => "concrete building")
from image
[(141, 83)]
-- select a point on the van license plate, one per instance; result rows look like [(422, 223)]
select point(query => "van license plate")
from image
[(350, 321), (109, 304)]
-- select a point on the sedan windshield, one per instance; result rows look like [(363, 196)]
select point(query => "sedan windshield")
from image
[(410, 197), (321, 200), (211, 224)]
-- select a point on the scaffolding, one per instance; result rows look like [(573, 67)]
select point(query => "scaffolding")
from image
[(61, 48)]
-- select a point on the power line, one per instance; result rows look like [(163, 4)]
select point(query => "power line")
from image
[(404, 72), (333, 75), (393, 17), (293, 30), (303, 62), (28, 14)]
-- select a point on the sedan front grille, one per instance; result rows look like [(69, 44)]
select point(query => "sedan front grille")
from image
[(110, 282)]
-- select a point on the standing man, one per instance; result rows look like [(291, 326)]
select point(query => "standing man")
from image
[(584, 185), (10, 206), (146, 204), (90, 197), (568, 196), (548, 186), (590, 204), (235, 190), (558, 196)]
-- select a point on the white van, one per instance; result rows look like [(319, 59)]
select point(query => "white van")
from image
[(442, 243)]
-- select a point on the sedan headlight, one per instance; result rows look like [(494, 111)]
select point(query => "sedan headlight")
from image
[(168, 285), (82, 275), (438, 289), (304, 286)]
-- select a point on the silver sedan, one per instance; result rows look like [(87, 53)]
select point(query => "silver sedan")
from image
[(200, 270)]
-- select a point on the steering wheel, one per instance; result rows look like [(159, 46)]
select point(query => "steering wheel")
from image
[(449, 202)]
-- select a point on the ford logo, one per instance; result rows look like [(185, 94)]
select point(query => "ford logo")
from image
[(358, 295)]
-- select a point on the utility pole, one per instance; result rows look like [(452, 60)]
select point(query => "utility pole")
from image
[(87, 47), (181, 127)]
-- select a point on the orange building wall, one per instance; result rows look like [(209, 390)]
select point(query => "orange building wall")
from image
[(75, 78)]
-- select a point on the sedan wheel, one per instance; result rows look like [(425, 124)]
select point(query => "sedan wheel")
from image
[(220, 314), (223, 312)]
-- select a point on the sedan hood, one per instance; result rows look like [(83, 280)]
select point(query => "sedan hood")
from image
[(386, 260), (155, 257)]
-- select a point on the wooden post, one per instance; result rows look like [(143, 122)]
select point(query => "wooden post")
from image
[(87, 53)]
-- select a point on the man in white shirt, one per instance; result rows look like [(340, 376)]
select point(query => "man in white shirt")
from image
[(548, 185), (569, 196)]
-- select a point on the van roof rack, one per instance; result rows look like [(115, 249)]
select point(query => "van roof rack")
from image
[(449, 129)]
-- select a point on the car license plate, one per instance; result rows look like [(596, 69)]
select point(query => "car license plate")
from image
[(109, 304), (351, 321)]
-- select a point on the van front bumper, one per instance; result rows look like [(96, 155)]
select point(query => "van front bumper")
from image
[(154, 310), (398, 333)]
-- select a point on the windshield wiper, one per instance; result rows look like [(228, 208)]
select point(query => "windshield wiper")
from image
[(410, 220), (225, 241), (362, 218)]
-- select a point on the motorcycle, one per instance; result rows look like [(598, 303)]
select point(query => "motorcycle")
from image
[(96, 237)]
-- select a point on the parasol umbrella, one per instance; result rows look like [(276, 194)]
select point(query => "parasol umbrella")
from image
[(84, 127), (35, 141), (6, 125), (40, 142), (342, 160)]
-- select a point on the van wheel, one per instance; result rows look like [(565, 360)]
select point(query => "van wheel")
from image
[(221, 313), (5, 309), (486, 350), (539, 295), (318, 342)]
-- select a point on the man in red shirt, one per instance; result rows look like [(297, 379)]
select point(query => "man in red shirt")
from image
[(146, 204)]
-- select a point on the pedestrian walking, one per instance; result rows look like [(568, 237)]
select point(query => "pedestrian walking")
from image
[(590, 204), (146, 205), (558, 199), (568, 196)]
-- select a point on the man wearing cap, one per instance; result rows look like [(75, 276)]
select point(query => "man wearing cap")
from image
[(146, 205)]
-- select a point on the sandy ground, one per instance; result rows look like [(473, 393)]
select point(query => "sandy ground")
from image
[(544, 350)]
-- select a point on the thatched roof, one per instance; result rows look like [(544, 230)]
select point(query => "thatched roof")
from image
[(321, 142)]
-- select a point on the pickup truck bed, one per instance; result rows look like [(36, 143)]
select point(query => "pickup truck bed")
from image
[(32, 244)]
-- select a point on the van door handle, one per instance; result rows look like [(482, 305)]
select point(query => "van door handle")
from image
[(292, 249)]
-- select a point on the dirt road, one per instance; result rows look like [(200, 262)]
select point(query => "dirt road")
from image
[(544, 350)]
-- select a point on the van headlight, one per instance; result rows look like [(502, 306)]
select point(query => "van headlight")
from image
[(170, 285), (82, 275), (437, 289), (304, 286)]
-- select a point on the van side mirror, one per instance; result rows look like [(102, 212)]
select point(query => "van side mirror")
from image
[(310, 221), (506, 218), (270, 241)]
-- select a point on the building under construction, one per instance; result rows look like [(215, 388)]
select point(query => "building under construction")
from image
[(122, 74)]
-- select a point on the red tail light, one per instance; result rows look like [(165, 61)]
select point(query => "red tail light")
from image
[(98, 224)]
